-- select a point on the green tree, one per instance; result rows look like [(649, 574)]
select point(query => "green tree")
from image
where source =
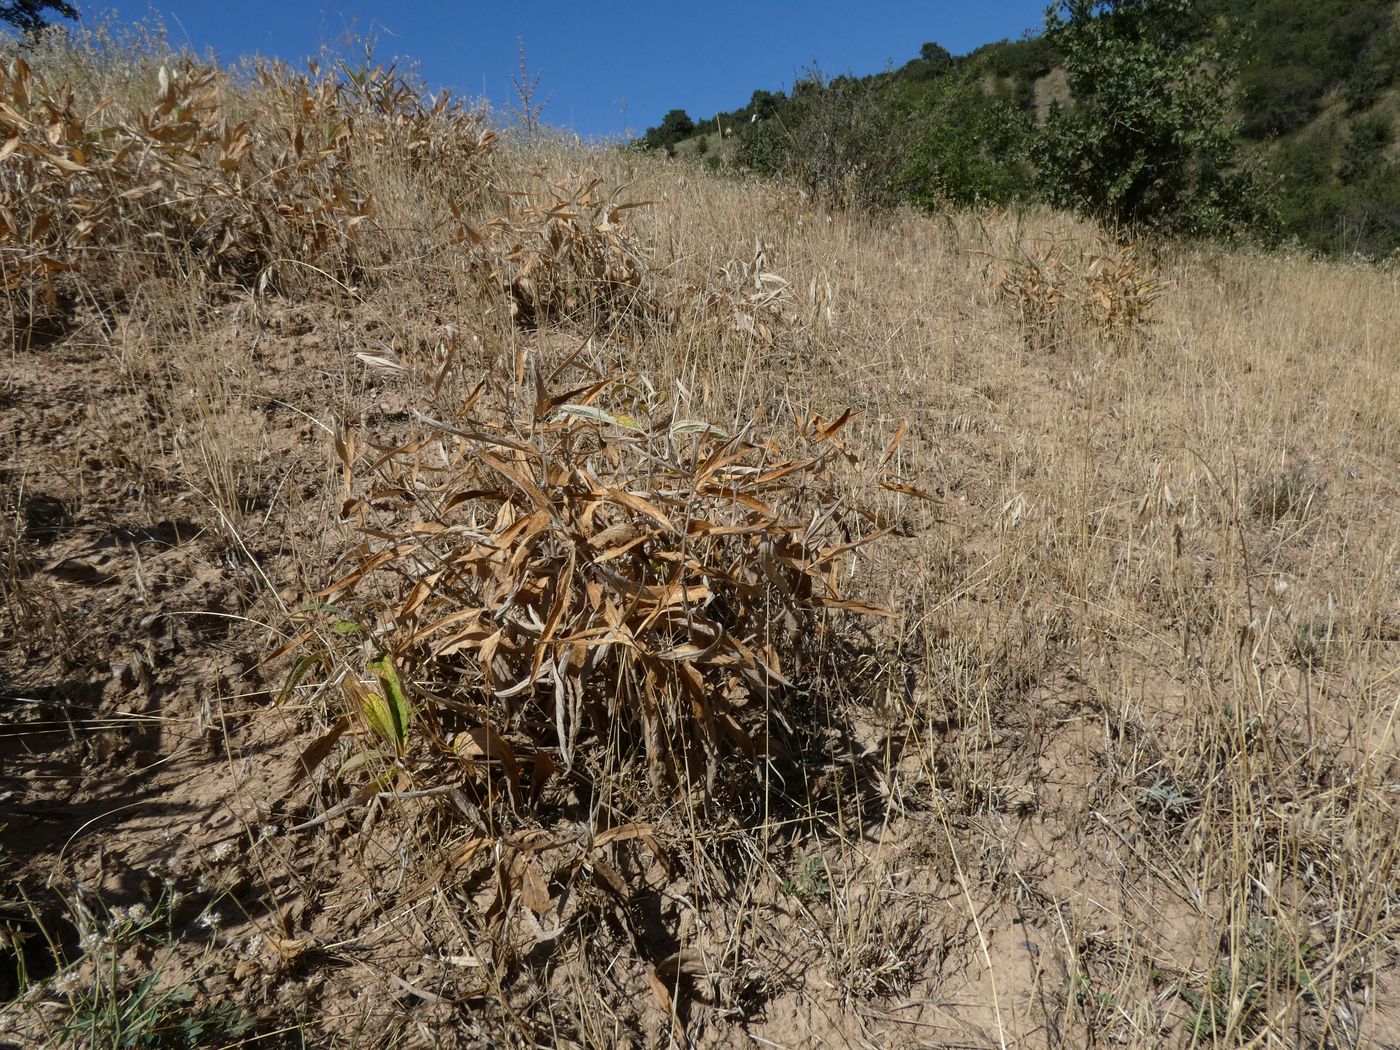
[(674, 126), (841, 139), (1377, 69), (936, 59), (971, 148), (28, 16), (1300, 50), (677, 124), (763, 104), (1147, 140), (1365, 152)]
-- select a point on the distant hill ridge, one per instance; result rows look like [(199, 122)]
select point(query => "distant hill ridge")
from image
[(1315, 94)]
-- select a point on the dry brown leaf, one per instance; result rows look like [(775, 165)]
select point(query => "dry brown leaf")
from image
[(534, 893), (484, 743), (900, 432), (318, 751)]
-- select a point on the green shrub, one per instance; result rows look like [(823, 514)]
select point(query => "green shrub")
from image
[(842, 140), (972, 149), (1147, 141)]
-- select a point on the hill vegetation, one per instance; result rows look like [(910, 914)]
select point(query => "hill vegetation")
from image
[(1288, 108)]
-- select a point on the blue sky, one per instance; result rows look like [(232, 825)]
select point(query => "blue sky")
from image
[(608, 66)]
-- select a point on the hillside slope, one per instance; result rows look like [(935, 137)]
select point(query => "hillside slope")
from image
[(465, 605), (1317, 94)]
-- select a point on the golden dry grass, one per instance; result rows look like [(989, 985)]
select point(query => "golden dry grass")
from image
[(1121, 770)]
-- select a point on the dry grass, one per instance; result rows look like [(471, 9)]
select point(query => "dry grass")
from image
[(596, 745)]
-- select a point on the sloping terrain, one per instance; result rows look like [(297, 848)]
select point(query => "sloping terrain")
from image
[(1314, 92), (1118, 768)]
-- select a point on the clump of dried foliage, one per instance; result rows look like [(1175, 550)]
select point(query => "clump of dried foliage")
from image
[(211, 179), (592, 577), (561, 252), (1105, 287)]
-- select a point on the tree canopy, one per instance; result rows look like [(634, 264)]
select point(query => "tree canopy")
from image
[(28, 16), (674, 126), (1147, 140)]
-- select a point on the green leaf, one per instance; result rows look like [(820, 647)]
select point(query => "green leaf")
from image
[(381, 719), (596, 415), (389, 713)]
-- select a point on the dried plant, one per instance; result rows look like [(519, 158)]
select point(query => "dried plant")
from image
[(560, 251), (182, 185), (1120, 768), (1105, 287), (745, 297), (595, 575)]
